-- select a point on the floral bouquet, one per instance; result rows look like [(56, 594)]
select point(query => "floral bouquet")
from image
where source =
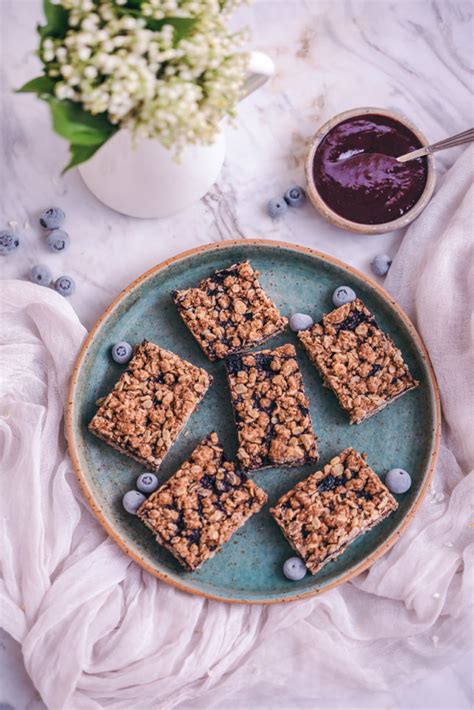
[(164, 69)]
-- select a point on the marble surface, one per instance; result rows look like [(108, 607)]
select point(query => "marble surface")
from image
[(412, 56)]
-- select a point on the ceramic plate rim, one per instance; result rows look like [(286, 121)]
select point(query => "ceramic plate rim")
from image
[(150, 273)]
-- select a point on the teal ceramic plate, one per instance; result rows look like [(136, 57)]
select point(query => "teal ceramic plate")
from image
[(249, 567)]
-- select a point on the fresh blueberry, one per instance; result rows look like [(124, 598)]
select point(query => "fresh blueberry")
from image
[(122, 352), (294, 569), (41, 274), (277, 208), (8, 242), (58, 240), (398, 481), (147, 482), (65, 285), (132, 500), (295, 196), (381, 264), (52, 218), (300, 321), (342, 295)]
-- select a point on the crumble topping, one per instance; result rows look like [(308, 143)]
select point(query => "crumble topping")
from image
[(229, 311), (321, 515), (150, 404), (357, 360), (271, 409), (200, 507)]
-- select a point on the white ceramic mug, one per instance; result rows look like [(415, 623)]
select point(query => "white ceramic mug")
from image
[(145, 180)]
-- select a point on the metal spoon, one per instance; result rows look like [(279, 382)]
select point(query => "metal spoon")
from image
[(459, 139)]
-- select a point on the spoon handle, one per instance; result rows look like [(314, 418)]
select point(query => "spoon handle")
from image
[(458, 139)]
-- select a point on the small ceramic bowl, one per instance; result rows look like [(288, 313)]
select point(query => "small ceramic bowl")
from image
[(348, 224)]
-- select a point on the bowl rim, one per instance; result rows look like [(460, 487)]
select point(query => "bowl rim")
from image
[(348, 224), (73, 447)]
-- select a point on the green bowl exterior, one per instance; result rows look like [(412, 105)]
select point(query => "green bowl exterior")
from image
[(249, 567)]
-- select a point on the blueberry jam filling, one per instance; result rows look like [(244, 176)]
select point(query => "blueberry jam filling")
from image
[(223, 485), (233, 364), (159, 378), (329, 483), (263, 362), (180, 522), (220, 276), (353, 320), (268, 409), (207, 482), (195, 536), (364, 494)]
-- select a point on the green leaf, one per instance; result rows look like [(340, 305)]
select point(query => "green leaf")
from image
[(42, 85), (57, 20), (80, 153), (85, 133), (182, 26), (79, 127)]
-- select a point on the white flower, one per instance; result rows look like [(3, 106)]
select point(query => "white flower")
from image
[(63, 91), (61, 54), (111, 61), (90, 22), (90, 72), (129, 23), (84, 53)]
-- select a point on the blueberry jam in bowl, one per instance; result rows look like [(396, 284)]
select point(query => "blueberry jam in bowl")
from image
[(354, 179)]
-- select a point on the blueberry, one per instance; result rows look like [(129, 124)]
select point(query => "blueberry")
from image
[(277, 208), (132, 500), (58, 240), (300, 321), (8, 242), (295, 196), (398, 480), (147, 482), (65, 285), (41, 274), (381, 264), (342, 295), (122, 352), (52, 218), (294, 569)]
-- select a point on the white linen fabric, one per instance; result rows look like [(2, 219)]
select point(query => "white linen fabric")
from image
[(97, 631)]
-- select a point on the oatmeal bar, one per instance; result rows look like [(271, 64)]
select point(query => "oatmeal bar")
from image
[(321, 515), (201, 506), (229, 312), (357, 360), (150, 404), (271, 410)]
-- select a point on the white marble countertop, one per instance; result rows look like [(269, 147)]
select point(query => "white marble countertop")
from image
[(409, 55)]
